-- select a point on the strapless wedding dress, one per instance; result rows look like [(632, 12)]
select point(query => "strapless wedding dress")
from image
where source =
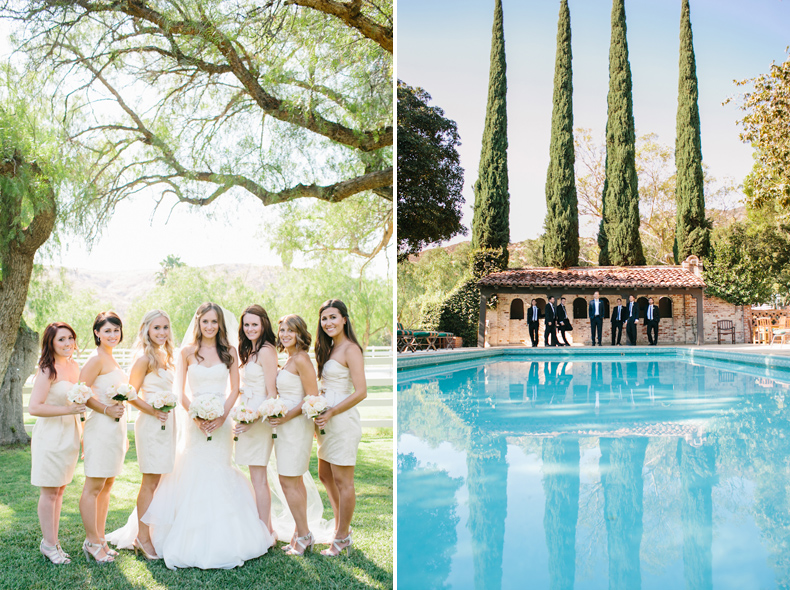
[(203, 514)]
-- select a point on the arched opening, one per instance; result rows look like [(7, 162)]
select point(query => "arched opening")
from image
[(517, 309), (580, 308), (665, 307), (642, 304), (606, 307), (541, 304)]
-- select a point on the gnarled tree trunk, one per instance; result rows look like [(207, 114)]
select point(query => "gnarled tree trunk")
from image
[(21, 366), (19, 247)]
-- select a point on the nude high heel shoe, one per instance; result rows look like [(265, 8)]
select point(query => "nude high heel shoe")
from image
[(53, 553), (338, 546), (92, 550), (304, 543)]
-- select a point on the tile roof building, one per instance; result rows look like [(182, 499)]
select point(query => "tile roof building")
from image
[(678, 290)]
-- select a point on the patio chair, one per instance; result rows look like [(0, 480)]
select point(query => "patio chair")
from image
[(406, 340), (725, 328), (763, 332), (780, 331)]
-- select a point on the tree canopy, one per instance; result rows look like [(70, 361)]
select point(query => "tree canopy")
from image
[(192, 98), (765, 126), (430, 176)]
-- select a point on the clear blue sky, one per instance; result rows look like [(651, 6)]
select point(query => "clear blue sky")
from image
[(444, 46)]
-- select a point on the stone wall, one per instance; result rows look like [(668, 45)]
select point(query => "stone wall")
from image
[(681, 328)]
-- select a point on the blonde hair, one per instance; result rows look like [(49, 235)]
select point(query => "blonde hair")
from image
[(148, 349), (298, 325)]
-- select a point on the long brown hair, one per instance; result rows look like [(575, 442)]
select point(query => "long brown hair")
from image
[(323, 343), (47, 361), (157, 359), (223, 346), (246, 346)]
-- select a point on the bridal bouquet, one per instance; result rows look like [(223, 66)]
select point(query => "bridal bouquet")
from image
[(79, 394), (273, 407), (243, 415), (313, 406), (206, 407), (122, 392), (164, 401)]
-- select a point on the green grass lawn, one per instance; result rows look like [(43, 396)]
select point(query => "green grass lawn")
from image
[(22, 566)]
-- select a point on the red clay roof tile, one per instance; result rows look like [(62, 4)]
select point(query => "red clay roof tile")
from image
[(596, 276)]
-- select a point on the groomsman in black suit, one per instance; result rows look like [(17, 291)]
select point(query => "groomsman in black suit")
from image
[(632, 319), (595, 313), (563, 323), (618, 317), (651, 321), (550, 329), (533, 322)]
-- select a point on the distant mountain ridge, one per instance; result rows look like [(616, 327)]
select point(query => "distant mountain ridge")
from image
[(122, 288)]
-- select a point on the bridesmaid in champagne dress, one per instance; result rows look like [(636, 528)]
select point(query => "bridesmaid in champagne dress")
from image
[(104, 440), (294, 443), (152, 372), (259, 361), (341, 369), (56, 436)]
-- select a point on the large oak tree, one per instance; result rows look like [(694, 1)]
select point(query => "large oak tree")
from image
[(193, 99)]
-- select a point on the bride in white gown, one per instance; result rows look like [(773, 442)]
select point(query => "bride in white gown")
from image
[(203, 514)]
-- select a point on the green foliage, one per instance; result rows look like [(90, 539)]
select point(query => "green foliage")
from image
[(692, 235), (561, 240), (202, 100), (430, 176), (765, 127), (618, 236), (184, 290), (527, 253), (52, 297), (459, 312), (167, 265), (749, 261), (429, 277), (305, 232), (491, 219)]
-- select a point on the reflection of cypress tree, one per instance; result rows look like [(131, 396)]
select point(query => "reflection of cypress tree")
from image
[(621, 475), (697, 476), (486, 482), (425, 519), (561, 487)]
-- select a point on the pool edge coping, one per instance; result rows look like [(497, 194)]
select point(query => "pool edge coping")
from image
[(446, 357)]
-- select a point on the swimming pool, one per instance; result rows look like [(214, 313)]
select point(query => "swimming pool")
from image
[(585, 472)]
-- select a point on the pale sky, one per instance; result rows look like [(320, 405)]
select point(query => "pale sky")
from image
[(444, 47)]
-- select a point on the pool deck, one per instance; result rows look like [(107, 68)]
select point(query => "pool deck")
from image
[(777, 356)]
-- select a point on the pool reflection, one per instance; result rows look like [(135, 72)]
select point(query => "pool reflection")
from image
[(639, 464)]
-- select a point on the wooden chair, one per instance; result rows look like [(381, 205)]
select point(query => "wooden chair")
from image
[(763, 332), (725, 328), (406, 340), (780, 331)]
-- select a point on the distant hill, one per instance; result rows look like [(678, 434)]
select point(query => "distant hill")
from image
[(123, 287)]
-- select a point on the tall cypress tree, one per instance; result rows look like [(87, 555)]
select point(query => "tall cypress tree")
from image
[(692, 232), (561, 240), (491, 220), (619, 233)]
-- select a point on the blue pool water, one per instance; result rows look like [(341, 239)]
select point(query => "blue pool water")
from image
[(600, 472)]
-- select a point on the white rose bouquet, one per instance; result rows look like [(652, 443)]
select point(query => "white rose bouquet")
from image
[(273, 407), (79, 394), (313, 406), (164, 401), (206, 407), (122, 392), (243, 415)]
